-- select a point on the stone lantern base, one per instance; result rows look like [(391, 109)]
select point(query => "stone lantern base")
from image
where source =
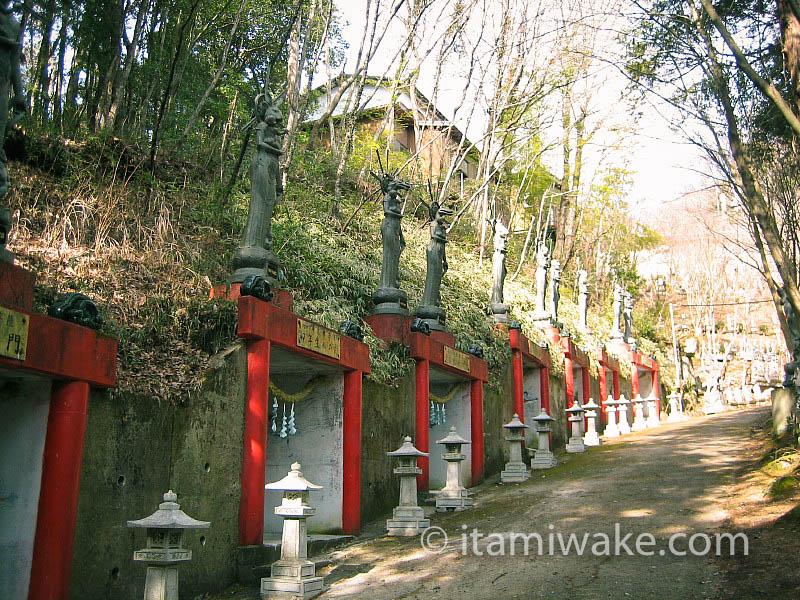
[(291, 580), (576, 445), (407, 521), (543, 459), (515, 472), (453, 500), (592, 439)]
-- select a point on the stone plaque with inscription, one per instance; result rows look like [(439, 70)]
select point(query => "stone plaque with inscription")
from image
[(317, 338), (456, 359), (13, 334)]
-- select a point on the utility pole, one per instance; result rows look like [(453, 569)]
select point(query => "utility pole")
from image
[(678, 366)]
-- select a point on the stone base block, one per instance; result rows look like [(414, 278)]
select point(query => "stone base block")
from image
[(611, 432), (543, 459), (654, 422), (592, 439), (576, 445), (279, 588), (447, 500), (406, 528), (639, 425), (515, 473), (624, 429)]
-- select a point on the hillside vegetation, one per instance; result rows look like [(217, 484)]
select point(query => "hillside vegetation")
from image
[(89, 218)]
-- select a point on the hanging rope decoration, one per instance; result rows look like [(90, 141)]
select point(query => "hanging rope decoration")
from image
[(284, 412), (438, 410)]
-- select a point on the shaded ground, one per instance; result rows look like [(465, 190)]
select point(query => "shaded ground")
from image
[(693, 478)]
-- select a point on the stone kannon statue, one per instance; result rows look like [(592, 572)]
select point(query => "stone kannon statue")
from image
[(10, 81), (542, 264), (429, 309), (388, 298), (583, 299), (255, 256), (555, 292), (616, 334), (498, 310), (627, 315)]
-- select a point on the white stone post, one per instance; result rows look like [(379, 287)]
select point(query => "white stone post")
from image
[(543, 458), (516, 470), (622, 415), (591, 438), (639, 422), (576, 420), (653, 418), (165, 547), (293, 575), (611, 430), (408, 518), (453, 496)]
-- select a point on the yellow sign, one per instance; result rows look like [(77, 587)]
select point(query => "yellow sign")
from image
[(13, 334), (316, 338), (456, 359)]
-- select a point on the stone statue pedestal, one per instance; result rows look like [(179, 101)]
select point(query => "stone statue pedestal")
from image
[(252, 260), (432, 315), (390, 301), (498, 312)]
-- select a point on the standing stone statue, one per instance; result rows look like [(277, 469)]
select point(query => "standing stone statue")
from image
[(583, 299), (10, 53), (255, 256), (429, 309), (616, 334), (542, 263), (497, 308), (388, 298), (555, 292), (627, 314)]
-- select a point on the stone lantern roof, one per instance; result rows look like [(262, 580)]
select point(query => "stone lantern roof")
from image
[(407, 449), (169, 516), (590, 405), (453, 438), (543, 417), (293, 482), (515, 423)]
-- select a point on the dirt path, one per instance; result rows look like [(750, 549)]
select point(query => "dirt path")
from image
[(672, 480)]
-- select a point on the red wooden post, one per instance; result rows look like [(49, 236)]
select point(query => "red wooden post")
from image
[(254, 458), (601, 374), (519, 384), (544, 389), (351, 449), (58, 496), (476, 403), (634, 381), (615, 383), (586, 392), (657, 389), (422, 440)]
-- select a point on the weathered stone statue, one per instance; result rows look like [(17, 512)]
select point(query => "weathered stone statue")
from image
[(616, 334), (255, 256), (388, 298), (542, 263), (10, 53), (583, 299), (499, 310), (628, 316), (429, 309), (555, 292)]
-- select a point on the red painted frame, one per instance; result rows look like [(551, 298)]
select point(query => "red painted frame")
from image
[(263, 324), (75, 358), (607, 362)]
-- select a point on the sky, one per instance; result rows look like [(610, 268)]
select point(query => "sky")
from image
[(664, 166)]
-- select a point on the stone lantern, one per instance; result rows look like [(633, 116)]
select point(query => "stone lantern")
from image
[(575, 413), (639, 422), (622, 415), (293, 575), (653, 418), (516, 470), (408, 518), (165, 547), (453, 496), (543, 458), (611, 430), (675, 413), (591, 438)]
